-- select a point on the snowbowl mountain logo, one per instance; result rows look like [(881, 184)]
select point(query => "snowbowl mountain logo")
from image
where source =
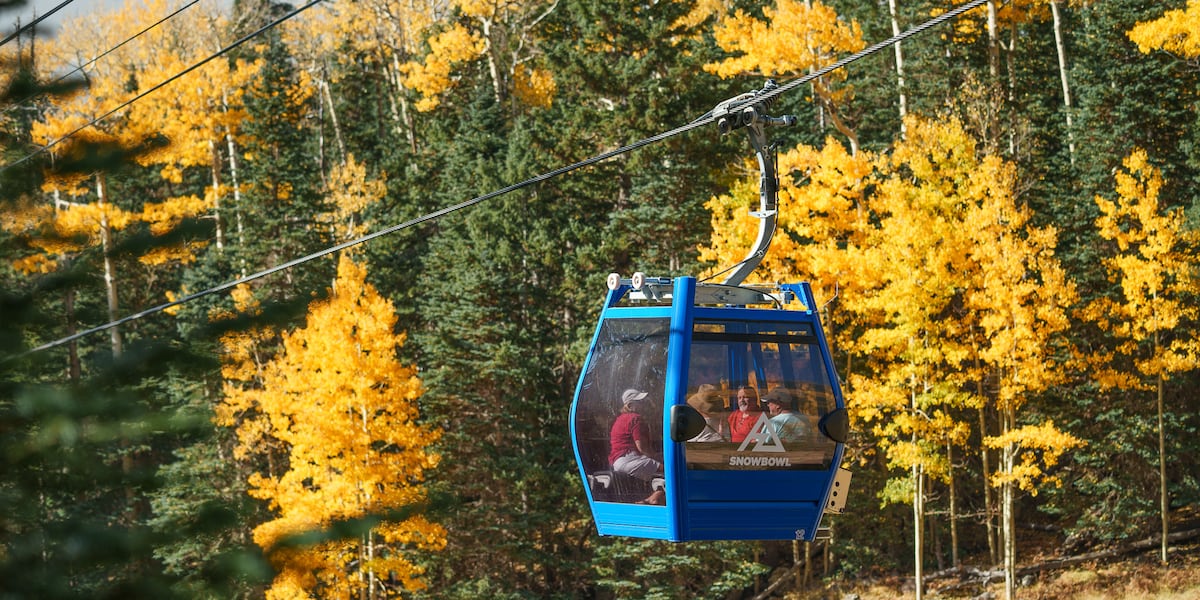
[(765, 439)]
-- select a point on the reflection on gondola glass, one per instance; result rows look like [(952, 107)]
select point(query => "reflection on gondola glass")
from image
[(769, 357)]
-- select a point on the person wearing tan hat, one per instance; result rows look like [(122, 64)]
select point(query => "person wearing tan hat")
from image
[(707, 402), (629, 442), (789, 426)]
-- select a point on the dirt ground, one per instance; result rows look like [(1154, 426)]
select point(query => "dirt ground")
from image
[(1135, 576)]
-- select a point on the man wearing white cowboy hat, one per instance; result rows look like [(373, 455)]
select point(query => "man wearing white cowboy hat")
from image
[(629, 441)]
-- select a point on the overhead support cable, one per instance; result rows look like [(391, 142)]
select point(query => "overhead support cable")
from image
[(135, 36), (702, 121), (12, 36), (164, 83)]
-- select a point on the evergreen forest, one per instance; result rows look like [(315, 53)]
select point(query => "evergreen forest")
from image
[(266, 331)]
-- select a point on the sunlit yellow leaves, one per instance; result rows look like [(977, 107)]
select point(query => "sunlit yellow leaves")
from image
[(793, 38), (434, 76), (1177, 32), (1155, 274), (821, 205), (62, 231), (534, 87), (1036, 449), (345, 410), (350, 191), (942, 280)]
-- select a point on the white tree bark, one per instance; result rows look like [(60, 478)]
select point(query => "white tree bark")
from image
[(901, 93), (110, 275), (1062, 75)]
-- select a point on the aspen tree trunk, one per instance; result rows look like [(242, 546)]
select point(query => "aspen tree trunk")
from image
[(1162, 457), (110, 292), (1008, 524), (953, 507), (807, 563), (215, 168), (993, 42), (797, 572), (901, 92), (989, 500), (337, 130), (400, 114), (239, 225), (1011, 93), (1062, 74), (493, 63), (918, 528), (74, 369), (110, 276)]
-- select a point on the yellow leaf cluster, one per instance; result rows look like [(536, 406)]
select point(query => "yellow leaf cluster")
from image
[(794, 38), (1035, 451), (942, 279), (193, 113), (534, 87), (1177, 32), (433, 76), (1154, 271), (350, 191), (345, 409)]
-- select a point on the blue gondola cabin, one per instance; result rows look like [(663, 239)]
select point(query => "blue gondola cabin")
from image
[(682, 352)]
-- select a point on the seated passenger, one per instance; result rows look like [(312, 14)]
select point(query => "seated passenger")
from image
[(629, 443), (745, 415), (789, 426), (707, 402)]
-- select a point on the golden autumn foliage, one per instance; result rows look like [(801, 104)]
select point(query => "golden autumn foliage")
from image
[(434, 75), (193, 115), (1037, 449), (939, 275), (534, 87), (350, 191), (794, 38), (1177, 32), (344, 410), (1154, 273)]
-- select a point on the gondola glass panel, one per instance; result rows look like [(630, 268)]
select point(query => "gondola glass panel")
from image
[(769, 358), (628, 354)]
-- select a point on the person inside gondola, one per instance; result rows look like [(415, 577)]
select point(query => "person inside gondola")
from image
[(707, 402), (630, 449), (789, 426), (742, 420)]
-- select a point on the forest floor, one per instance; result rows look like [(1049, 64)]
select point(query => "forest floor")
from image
[(1132, 572)]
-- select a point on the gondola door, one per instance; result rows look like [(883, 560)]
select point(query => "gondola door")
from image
[(770, 479)]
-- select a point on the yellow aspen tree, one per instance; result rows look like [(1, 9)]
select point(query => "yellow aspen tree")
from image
[(1154, 269), (797, 37), (200, 115), (185, 114), (1177, 32), (345, 409), (1018, 302), (911, 391), (350, 191), (387, 34)]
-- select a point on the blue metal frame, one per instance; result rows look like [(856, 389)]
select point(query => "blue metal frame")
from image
[(716, 504)]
